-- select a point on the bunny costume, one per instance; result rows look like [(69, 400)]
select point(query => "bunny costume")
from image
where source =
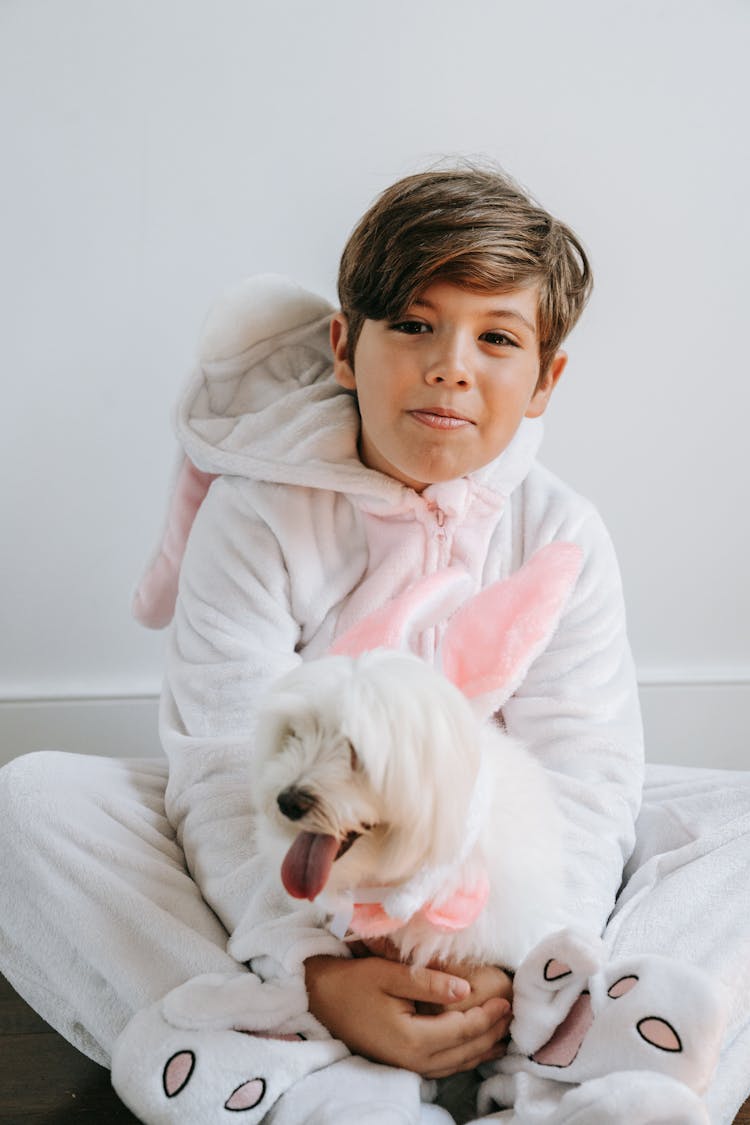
[(139, 881)]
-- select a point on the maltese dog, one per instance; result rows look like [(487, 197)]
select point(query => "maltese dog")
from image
[(385, 801)]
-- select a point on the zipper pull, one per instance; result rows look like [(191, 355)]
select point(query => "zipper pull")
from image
[(439, 515)]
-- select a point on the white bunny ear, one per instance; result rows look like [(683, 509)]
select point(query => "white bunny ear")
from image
[(491, 641), (154, 600), (420, 606)]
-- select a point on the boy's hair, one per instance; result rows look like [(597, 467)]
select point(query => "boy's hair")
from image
[(472, 226)]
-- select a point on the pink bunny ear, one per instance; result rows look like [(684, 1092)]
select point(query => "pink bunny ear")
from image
[(420, 606), (491, 641), (154, 599)]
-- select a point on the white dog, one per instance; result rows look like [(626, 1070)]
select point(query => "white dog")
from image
[(387, 802)]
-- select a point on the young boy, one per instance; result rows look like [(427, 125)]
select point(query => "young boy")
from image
[(344, 473)]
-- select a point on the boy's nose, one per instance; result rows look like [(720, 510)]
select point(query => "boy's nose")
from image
[(449, 366)]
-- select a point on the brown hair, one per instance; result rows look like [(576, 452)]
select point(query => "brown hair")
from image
[(470, 225)]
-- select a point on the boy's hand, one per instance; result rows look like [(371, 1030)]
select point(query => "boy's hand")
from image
[(371, 1004), (484, 980)]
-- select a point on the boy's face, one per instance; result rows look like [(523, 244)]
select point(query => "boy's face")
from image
[(442, 391)]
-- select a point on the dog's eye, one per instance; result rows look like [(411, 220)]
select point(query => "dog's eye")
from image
[(288, 734), (353, 759)]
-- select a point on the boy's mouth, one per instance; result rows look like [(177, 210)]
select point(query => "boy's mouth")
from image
[(438, 418)]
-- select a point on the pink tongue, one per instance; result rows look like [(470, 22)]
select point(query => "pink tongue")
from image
[(308, 863)]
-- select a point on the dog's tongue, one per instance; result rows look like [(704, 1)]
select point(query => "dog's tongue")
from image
[(308, 863)]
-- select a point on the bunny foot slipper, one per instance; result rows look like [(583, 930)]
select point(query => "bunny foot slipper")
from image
[(624, 1098), (220, 1044), (639, 1036)]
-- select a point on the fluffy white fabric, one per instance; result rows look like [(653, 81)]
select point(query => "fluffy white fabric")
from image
[(644, 1023), (383, 748), (218, 1044), (627, 1098), (297, 541), (294, 544)]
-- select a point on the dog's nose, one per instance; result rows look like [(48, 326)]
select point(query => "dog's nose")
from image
[(294, 802)]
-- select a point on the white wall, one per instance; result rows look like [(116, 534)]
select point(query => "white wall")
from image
[(156, 150)]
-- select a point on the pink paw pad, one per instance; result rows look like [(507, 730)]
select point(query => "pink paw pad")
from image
[(181, 1066), (246, 1096), (659, 1033), (556, 970), (178, 1072), (621, 987)]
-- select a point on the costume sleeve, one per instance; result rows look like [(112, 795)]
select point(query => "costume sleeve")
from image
[(233, 633), (578, 712)]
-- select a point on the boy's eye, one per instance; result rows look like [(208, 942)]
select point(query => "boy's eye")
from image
[(410, 327), (498, 338)]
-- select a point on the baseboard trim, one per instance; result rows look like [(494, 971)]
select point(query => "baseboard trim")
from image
[(697, 719), (695, 722), (694, 677), (119, 727)]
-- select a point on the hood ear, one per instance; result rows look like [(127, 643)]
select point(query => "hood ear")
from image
[(156, 594), (420, 606), (492, 640)]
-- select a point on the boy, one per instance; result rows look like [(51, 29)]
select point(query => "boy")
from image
[(456, 293)]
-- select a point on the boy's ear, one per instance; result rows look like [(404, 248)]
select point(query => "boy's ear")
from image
[(343, 372), (546, 385)]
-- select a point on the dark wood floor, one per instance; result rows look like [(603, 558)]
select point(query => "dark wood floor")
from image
[(45, 1081)]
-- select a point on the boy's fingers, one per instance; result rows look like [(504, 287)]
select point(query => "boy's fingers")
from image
[(476, 1030), (460, 1061), (469, 1053), (485, 982), (478, 1021), (429, 986)]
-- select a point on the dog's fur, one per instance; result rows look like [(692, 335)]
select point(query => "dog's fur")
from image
[(382, 745)]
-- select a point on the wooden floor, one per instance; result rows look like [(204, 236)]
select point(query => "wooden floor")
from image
[(45, 1081)]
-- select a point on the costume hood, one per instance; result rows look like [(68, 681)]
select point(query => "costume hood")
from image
[(263, 402)]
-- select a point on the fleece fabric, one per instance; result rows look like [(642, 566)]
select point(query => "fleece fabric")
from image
[(297, 541), (100, 922), (115, 892)]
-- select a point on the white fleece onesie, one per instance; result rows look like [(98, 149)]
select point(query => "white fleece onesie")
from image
[(295, 542)]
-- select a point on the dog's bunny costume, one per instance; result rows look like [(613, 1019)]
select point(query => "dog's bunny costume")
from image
[(130, 892)]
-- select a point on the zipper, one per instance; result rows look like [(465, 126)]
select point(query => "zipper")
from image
[(439, 515), (437, 556), (440, 537)]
